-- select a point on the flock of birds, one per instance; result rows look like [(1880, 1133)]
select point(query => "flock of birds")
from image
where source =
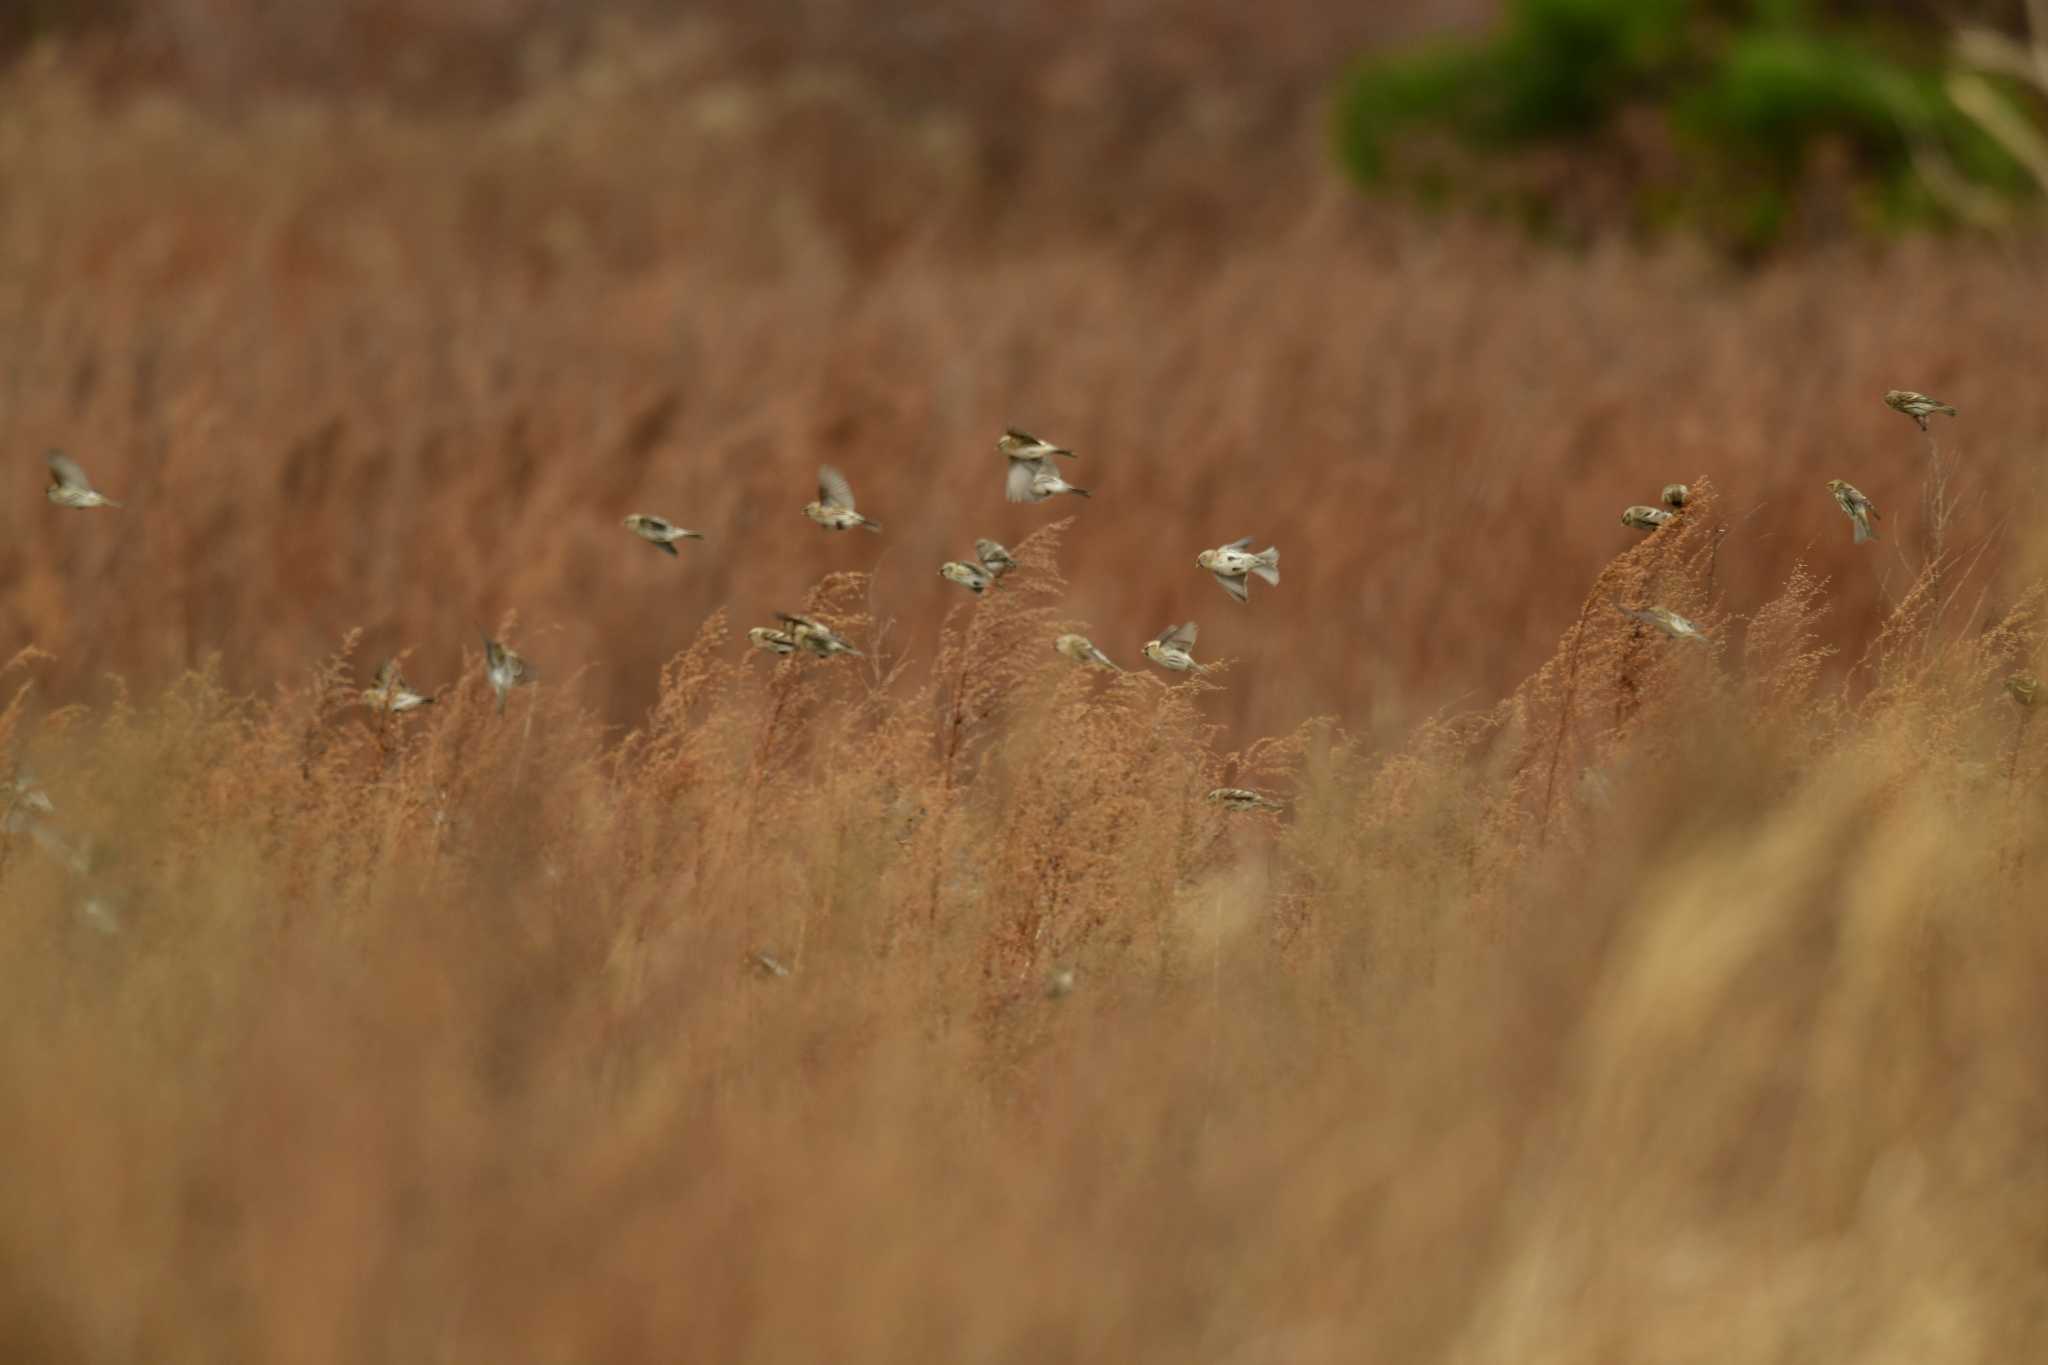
[(1034, 476), (1851, 499)]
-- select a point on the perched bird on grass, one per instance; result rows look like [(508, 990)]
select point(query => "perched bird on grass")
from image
[(69, 487), (972, 577), (1858, 508), (1082, 650), (506, 670), (816, 637), (1674, 495), (1666, 620), (1170, 649), (1022, 445), (1917, 406), (774, 641), (1037, 480), (659, 532), (834, 508), (1242, 798), (1232, 564), (994, 558), (390, 692), (1644, 518), (2025, 689)]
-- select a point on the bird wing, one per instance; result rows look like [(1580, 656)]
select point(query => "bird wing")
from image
[(1178, 637), (65, 472), (1238, 544), (1023, 474), (794, 621), (1234, 584), (387, 675), (833, 489), (494, 653)]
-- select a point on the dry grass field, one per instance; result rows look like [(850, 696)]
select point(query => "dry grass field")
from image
[(1598, 996)]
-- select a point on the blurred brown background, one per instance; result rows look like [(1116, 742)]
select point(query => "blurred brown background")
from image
[(383, 315)]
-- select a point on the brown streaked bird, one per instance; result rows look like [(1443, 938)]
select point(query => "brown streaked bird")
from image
[(1644, 518), (994, 558), (505, 670), (1859, 509), (2025, 689), (774, 641), (1666, 620), (390, 692), (1917, 406), (1082, 650), (69, 487), (1242, 799), (1022, 445), (659, 532), (1169, 649), (1232, 565), (834, 508), (1674, 495), (1037, 480), (972, 577), (815, 637)]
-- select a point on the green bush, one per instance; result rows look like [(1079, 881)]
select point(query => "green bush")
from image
[(1742, 94)]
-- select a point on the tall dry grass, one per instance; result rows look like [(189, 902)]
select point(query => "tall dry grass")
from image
[(1681, 1006)]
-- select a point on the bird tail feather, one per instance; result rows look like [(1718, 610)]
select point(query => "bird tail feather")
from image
[(1268, 566)]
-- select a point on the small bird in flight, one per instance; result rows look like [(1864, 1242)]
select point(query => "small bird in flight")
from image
[(834, 508), (1082, 650), (506, 670), (1242, 798), (1645, 518), (1022, 445), (1859, 509), (816, 637), (994, 558), (772, 640), (390, 692), (1917, 406), (69, 487), (659, 532), (972, 577), (1035, 481), (2025, 688), (1674, 495), (1170, 649), (1666, 620), (1232, 564)]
